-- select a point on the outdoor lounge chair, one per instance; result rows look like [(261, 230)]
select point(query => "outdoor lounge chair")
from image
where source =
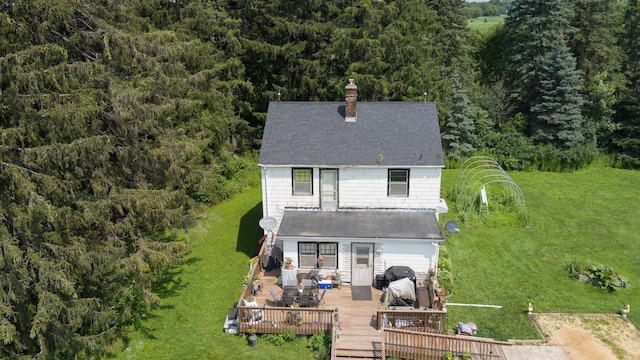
[(277, 299)]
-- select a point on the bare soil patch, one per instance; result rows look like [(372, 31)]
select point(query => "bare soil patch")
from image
[(591, 337)]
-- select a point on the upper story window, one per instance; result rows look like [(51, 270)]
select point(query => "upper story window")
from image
[(398, 182), (302, 181)]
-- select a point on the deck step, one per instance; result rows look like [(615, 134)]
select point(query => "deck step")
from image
[(356, 354)]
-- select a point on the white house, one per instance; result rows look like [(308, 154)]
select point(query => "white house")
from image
[(357, 183)]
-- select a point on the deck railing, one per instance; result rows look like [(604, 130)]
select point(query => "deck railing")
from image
[(273, 320), (417, 345), (431, 321), (254, 270), (335, 333)]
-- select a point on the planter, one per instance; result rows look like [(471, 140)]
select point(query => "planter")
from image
[(252, 339), (579, 276)]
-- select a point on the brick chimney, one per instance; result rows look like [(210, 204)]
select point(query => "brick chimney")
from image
[(350, 96)]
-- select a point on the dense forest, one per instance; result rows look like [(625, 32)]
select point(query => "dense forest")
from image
[(119, 118)]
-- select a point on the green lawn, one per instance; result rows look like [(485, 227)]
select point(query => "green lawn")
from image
[(485, 22), (188, 324), (588, 215)]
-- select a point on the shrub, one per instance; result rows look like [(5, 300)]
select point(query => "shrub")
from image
[(445, 279), (320, 344), (598, 275), (281, 338)]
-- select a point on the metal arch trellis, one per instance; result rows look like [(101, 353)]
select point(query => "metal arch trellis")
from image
[(477, 172)]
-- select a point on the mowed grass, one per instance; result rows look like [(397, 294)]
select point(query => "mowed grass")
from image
[(197, 296), (485, 22), (587, 215)]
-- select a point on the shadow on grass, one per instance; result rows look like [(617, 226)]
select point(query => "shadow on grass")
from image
[(249, 232), (170, 283)]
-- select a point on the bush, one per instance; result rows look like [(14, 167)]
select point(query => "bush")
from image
[(598, 275), (320, 344), (281, 338), (445, 279)]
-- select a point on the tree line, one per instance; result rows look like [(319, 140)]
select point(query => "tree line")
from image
[(118, 119), (487, 8), (557, 87)]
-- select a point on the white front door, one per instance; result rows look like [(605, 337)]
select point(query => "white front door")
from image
[(328, 189), (361, 264)]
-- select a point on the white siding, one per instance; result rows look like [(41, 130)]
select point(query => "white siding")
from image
[(358, 188), (367, 188), (419, 255)]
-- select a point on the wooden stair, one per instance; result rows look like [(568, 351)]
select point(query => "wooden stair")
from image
[(359, 343)]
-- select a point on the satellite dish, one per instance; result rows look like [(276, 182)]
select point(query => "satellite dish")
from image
[(451, 226), (267, 223)]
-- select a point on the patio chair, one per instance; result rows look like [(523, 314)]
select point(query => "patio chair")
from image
[(318, 301), (288, 300), (304, 301), (277, 299), (308, 283)]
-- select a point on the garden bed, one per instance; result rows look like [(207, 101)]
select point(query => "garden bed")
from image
[(591, 337)]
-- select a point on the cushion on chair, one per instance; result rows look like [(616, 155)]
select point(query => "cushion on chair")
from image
[(288, 300)]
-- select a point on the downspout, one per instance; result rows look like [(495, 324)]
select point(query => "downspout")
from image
[(437, 255), (265, 193)]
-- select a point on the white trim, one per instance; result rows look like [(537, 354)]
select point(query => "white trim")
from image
[(344, 166)]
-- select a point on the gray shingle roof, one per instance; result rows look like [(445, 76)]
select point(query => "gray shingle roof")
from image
[(316, 134), (361, 224)]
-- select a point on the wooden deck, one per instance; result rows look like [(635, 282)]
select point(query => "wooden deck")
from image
[(358, 335)]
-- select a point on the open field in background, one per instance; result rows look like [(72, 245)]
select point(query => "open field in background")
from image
[(485, 22), (586, 215)]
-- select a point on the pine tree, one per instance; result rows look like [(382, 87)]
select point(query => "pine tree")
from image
[(556, 116), (306, 51), (599, 57), (630, 42), (594, 42), (626, 139), (533, 28), (110, 129), (627, 117), (458, 133)]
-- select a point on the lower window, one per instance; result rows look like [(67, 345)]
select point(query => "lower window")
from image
[(310, 253)]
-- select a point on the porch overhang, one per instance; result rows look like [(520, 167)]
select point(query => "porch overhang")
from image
[(361, 224)]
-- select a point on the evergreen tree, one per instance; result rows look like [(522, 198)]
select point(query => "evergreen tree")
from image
[(599, 57), (450, 32), (594, 42), (630, 42), (110, 129), (306, 51), (556, 117), (533, 28), (450, 36), (491, 55), (627, 137), (458, 134)]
